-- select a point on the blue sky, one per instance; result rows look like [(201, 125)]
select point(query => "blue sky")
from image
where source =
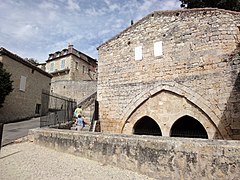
[(35, 28)]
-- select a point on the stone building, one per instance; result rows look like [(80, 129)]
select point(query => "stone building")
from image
[(173, 73), (74, 73), (29, 82), (71, 64)]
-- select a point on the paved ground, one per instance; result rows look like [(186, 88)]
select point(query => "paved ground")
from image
[(27, 160), (13, 131)]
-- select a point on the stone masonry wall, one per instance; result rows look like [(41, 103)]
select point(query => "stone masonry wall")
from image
[(22, 104), (76, 69), (160, 158), (200, 63), (74, 89)]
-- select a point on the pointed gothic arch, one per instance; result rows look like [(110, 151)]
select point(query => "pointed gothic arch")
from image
[(187, 126), (210, 110), (146, 126)]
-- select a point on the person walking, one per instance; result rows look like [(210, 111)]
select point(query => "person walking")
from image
[(80, 123), (78, 111)]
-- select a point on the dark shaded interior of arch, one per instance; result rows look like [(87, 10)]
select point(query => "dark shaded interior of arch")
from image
[(147, 126), (187, 126)]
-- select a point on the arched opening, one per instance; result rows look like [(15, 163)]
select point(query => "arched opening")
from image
[(147, 126), (187, 126)]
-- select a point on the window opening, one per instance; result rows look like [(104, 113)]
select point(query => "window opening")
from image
[(62, 63), (189, 127), (147, 126), (158, 49), (23, 81), (76, 65), (38, 107), (52, 67), (138, 53)]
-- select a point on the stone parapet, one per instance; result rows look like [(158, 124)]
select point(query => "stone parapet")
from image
[(157, 157)]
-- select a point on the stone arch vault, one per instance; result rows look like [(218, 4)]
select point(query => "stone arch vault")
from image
[(166, 103)]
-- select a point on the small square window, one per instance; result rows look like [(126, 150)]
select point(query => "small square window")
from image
[(158, 49), (138, 53)]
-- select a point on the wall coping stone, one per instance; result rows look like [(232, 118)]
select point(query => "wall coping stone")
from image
[(167, 13), (157, 157)]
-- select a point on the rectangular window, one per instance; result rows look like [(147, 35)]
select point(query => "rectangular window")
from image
[(138, 53), (83, 69), (23, 81), (76, 65), (158, 49), (38, 108), (51, 67), (62, 63)]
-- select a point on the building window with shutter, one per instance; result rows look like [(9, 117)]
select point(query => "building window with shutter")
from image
[(83, 69), (51, 67), (23, 81), (62, 63), (76, 65)]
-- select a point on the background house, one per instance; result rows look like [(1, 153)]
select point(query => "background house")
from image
[(173, 73), (71, 64), (28, 82), (74, 76)]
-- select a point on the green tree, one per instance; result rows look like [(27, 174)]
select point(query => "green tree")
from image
[(233, 5), (5, 84)]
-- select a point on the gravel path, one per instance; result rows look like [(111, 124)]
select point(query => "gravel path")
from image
[(30, 161)]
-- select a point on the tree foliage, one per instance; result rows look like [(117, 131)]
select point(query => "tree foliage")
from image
[(5, 84), (32, 61), (233, 5)]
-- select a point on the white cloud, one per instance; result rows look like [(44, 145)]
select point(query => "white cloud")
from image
[(73, 5), (118, 23), (147, 5), (170, 4), (26, 32), (47, 5), (95, 12), (103, 32), (112, 6), (37, 28)]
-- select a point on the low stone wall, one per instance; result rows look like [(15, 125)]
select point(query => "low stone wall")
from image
[(157, 157)]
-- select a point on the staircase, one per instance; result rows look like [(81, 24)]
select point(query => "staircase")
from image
[(88, 107)]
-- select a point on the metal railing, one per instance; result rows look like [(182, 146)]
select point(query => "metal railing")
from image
[(56, 109)]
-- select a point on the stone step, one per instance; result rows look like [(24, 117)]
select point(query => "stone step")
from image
[(86, 128)]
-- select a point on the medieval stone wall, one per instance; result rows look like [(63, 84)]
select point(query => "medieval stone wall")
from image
[(198, 64), (159, 158), (77, 90)]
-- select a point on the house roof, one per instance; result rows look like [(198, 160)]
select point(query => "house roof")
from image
[(72, 52), (17, 58), (166, 13)]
